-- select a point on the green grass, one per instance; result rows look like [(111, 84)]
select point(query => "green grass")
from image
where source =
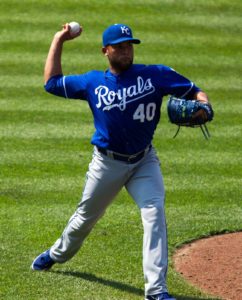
[(45, 143)]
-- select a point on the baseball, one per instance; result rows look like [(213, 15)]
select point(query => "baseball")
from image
[(74, 28)]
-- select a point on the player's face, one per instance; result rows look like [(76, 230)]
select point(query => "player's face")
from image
[(120, 56)]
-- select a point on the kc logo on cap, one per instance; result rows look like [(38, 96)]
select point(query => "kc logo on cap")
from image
[(118, 33), (125, 30)]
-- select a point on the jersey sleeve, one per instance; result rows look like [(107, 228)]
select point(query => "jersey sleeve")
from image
[(176, 84), (71, 86)]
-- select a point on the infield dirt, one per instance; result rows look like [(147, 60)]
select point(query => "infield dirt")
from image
[(213, 265)]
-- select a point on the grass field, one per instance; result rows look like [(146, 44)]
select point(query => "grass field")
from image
[(45, 143)]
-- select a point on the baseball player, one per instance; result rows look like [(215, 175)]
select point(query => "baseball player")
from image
[(125, 101)]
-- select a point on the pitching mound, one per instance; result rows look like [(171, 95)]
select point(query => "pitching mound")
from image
[(213, 264)]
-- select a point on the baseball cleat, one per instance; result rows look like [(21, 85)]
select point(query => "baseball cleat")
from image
[(162, 296), (43, 262)]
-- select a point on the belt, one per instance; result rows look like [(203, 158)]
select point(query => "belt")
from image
[(131, 159)]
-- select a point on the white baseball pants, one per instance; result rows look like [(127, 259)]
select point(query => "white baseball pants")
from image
[(105, 178)]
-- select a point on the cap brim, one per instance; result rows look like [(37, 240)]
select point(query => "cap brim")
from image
[(121, 40)]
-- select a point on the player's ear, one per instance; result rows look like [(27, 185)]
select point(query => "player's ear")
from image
[(105, 51)]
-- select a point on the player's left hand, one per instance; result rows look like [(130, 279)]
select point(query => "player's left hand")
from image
[(189, 113), (200, 115)]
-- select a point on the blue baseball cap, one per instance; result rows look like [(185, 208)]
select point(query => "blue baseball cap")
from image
[(118, 33)]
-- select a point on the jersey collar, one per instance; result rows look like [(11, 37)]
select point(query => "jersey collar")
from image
[(108, 73)]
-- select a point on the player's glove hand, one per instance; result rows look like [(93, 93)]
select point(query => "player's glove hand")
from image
[(191, 113)]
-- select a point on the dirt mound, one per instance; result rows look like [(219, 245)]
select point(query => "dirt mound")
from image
[(213, 264)]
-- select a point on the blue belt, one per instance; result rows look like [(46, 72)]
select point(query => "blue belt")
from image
[(131, 159)]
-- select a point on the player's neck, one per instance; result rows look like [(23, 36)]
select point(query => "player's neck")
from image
[(117, 70)]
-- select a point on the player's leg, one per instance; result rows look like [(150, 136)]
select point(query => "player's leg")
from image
[(147, 188), (104, 180)]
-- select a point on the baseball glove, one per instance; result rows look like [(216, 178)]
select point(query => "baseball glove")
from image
[(190, 113)]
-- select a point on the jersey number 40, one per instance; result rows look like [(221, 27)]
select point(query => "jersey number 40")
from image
[(145, 112)]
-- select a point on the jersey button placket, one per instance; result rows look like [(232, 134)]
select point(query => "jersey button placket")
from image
[(119, 87)]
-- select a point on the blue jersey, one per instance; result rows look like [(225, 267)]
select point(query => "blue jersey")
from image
[(125, 107)]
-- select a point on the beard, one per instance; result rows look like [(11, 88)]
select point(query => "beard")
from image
[(122, 63)]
